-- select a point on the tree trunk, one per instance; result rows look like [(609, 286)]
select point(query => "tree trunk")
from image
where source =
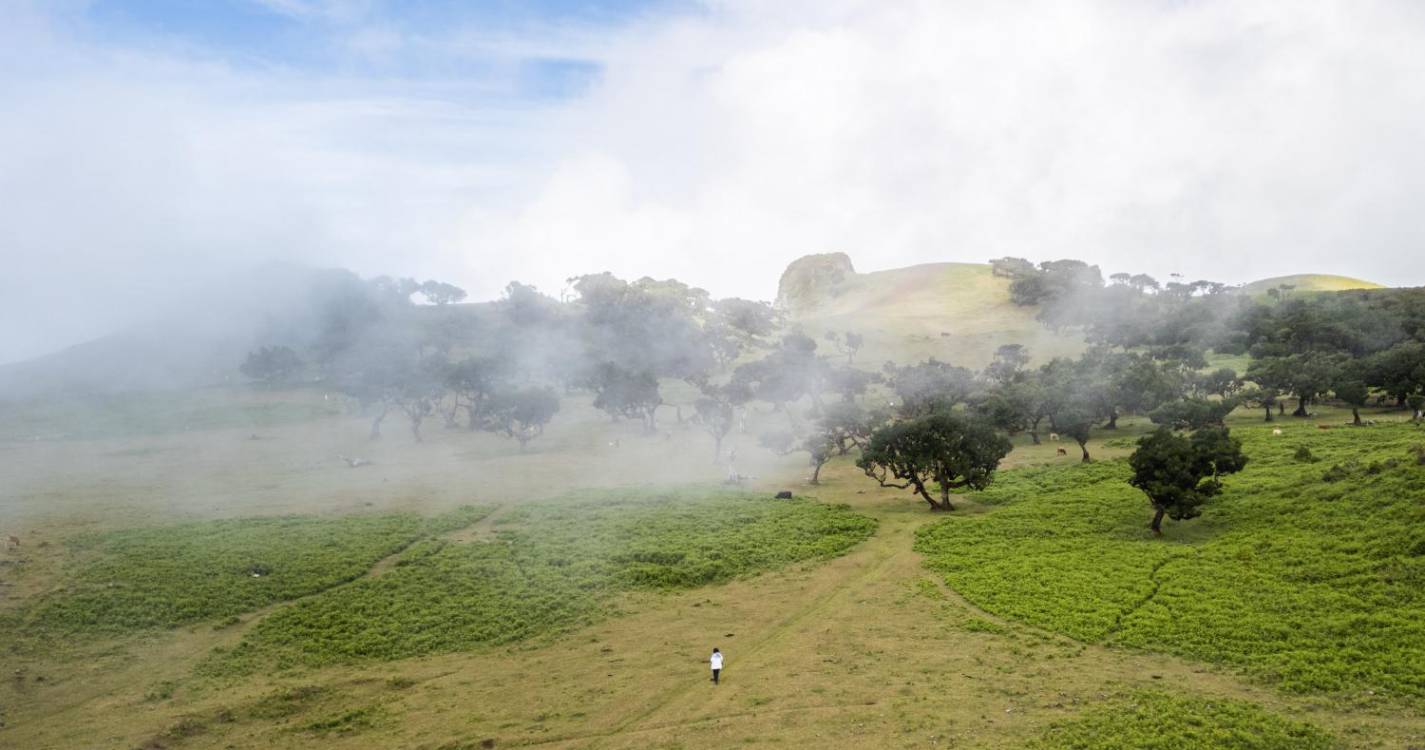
[(1281, 408), (1034, 436), (717, 448), (1356, 415), (376, 425), (1084, 446), (816, 473), (920, 490), (416, 429), (1268, 407), (1157, 524), (945, 498), (1112, 420), (1301, 403)]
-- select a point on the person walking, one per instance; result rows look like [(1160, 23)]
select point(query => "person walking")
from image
[(716, 665)]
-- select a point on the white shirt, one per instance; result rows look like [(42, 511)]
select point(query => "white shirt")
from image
[(717, 661)]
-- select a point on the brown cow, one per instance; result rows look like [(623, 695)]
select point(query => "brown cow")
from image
[(13, 542), (1062, 452)]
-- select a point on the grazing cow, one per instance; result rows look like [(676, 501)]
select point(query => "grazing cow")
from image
[(355, 462), (784, 495), (1062, 452), (1053, 437), (13, 542), (1323, 427), (1277, 431)]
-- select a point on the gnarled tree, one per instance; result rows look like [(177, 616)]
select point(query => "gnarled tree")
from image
[(944, 450)]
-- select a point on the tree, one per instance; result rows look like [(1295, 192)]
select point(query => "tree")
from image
[(523, 413), (821, 449), (846, 424), (1261, 398), (818, 445), (716, 413), (1008, 406), (474, 382), (622, 393), (738, 325), (786, 374), (1351, 389), (1179, 474), (271, 364), (849, 381), (1220, 382), (1307, 375), (1135, 383), (849, 344), (440, 293), (949, 450), (1193, 413), (1008, 365), (930, 386), (1075, 418)]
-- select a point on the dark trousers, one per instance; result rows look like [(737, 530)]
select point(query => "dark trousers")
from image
[(715, 673)]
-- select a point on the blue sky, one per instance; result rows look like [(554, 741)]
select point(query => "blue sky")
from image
[(323, 36)]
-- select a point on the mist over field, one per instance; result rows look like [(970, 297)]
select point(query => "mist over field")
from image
[(651, 373)]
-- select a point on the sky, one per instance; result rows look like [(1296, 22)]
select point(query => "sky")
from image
[(149, 149)]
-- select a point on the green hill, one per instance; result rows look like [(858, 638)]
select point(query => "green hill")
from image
[(958, 312), (1310, 282)]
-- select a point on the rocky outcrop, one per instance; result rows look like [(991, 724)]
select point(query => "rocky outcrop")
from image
[(811, 279)]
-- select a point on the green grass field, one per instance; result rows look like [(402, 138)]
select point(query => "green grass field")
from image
[(1310, 583), (549, 566), (166, 576), (1153, 720)]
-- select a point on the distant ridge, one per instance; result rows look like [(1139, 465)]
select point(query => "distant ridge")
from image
[(1311, 282)]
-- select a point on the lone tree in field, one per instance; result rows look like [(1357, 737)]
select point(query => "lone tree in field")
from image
[(1075, 419), (1179, 474), (819, 445), (1350, 386), (271, 364), (945, 449), (522, 414)]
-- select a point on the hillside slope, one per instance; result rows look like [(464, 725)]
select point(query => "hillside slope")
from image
[(1310, 282), (956, 312)]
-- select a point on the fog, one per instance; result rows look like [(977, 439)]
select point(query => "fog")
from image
[(1217, 140)]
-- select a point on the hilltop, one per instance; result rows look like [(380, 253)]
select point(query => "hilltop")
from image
[(1311, 282), (960, 312)]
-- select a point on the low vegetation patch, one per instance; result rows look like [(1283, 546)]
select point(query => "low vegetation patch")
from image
[(551, 565), (173, 575), (1315, 586), (1157, 721)]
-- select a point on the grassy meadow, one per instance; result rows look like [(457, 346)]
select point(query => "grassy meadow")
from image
[(233, 584)]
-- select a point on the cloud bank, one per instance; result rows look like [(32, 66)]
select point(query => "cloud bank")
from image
[(714, 143)]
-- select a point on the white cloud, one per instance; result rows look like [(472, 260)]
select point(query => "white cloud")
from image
[(1221, 140)]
